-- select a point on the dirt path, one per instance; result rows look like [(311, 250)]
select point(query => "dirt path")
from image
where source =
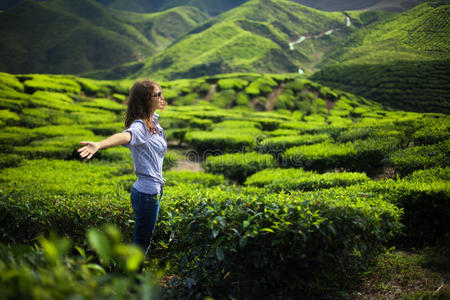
[(272, 97), (185, 164)]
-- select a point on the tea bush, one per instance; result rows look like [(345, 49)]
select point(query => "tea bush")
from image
[(223, 99), (190, 177), (297, 179), (10, 82), (105, 104), (8, 160), (320, 156), (67, 196), (232, 83), (247, 245), (218, 142), (51, 271), (410, 159), (8, 118), (432, 131), (424, 202), (238, 166), (359, 155), (46, 83), (277, 145)]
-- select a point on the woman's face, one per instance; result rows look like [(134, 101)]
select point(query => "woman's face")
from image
[(157, 101)]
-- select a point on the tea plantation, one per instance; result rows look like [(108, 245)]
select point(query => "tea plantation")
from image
[(303, 188)]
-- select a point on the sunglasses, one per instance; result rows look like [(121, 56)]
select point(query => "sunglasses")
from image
[(159, 94)]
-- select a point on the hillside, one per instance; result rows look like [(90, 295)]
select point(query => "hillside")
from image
[(63, 36), (162, 28), (254, 37), (402, 61), (422, 33), (211, 7), (326, 167), (333, 5), (78, 36)]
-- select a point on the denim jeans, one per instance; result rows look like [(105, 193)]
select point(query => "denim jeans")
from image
[(146, 209)]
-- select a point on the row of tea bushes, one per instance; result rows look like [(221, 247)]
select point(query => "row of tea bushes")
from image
[(205, 232), (407, 160), (423, 196), (209, 227), (298, 179), (70, 195), (237, 244), (357, 155), (238, 166), (278, 144)]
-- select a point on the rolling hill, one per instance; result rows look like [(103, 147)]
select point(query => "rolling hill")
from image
[(333, 5), (402, 61), (63, 36), (254, 37)]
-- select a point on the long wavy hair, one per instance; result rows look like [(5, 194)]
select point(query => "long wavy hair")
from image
[(139, 104)]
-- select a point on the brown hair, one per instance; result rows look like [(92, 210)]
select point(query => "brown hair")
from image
[(139, 104)]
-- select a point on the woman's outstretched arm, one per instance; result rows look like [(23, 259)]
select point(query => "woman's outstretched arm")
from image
[(90, 148)]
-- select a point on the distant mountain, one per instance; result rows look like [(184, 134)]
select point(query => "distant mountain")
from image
[(253, 37), (212, 7), (65, 36), (341, 5), (162, 28), (215, 7)]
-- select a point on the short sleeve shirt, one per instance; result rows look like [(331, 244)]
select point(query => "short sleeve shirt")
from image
[(147, 150)]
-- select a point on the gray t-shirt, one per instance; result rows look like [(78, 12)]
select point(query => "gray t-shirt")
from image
[(148, 152)]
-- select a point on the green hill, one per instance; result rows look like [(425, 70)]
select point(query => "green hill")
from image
[(62, 36), (402, 61), (333, 5), (252, 37), (209, 6), (422, 33), (162, 28)]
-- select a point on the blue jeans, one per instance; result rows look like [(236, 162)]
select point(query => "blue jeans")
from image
[(146, 209)]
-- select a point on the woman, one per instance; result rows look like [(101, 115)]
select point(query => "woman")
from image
[(146, 140)]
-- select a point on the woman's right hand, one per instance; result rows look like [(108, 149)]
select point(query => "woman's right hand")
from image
[(88, 150)]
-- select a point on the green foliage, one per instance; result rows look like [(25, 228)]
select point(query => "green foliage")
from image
[(410, 159), (57, 101), (105, 104), (53, 84), (277, 145), (425, 204), (359, 155), (236, 125), (238, 166), (8, 117), (223, 99), (174, 178), (8, 160), (412, 85), (9, 82), (307, 239), (67, 196), (432, 131), (232, 83), (297, 179), (213, 142), (50, 271)]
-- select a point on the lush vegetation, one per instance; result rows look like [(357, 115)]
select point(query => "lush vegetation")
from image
[(400, 60), (75, 37), (300, 197)]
